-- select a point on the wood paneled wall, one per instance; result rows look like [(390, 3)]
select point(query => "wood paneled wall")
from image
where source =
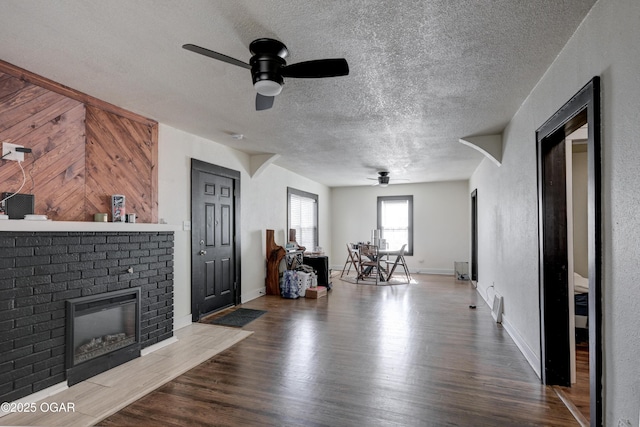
[(120, 160), (84, 149)]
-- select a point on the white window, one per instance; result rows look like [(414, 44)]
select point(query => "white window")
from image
[(303, 217), (395, 221)]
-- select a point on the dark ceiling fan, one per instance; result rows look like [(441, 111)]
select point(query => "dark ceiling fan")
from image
[(383, 179), (268, 67)]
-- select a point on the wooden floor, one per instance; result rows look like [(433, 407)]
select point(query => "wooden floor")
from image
[(363, 356), (577, 395)]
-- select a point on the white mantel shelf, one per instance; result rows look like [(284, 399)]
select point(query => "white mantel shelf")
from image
[(80, 226)]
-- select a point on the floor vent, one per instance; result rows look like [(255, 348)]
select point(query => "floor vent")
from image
[(496, 308)]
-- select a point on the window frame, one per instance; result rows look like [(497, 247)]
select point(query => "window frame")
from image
[(293, 191), (409, 199)]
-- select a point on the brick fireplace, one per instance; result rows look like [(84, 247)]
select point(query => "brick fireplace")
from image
[(41, 271)]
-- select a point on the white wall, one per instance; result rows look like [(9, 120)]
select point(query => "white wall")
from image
[(263, 206), (606, 44), (440, 219)]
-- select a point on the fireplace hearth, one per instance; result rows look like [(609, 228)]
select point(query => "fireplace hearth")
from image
[(103, 331)]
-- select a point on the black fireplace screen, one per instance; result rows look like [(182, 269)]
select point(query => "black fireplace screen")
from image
[(102, 331), (99, 332)]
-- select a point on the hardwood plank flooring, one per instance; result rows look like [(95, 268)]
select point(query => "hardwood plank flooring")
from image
[(577, 396), (365, 355)]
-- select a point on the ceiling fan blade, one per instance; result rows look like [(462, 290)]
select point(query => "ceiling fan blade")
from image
[(317, 68), (263, 102), (216, 55)]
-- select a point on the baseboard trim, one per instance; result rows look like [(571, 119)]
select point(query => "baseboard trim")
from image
[(257, 293), (181, 322), (529, 355), (158, 346), (438, 271), (532, 358)]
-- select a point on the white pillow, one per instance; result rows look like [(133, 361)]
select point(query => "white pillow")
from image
[(580, 284)]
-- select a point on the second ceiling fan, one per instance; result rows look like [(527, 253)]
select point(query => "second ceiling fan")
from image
[(268, 67), (383, 179)]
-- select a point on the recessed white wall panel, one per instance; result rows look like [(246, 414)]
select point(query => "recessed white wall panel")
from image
[(440, 218)]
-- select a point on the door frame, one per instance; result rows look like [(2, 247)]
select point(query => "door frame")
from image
[(474, 236), (200, 166), (553, 257)]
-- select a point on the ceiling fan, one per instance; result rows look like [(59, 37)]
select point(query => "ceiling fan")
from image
[(268, 67), (383, 179)]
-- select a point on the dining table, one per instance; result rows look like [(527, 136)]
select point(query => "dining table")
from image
[(374, 256)]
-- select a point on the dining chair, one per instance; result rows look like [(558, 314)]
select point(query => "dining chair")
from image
[(353, 259), (369, 263), (400, 260)]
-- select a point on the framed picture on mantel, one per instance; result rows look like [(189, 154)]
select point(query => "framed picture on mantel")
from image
[(118, 208)]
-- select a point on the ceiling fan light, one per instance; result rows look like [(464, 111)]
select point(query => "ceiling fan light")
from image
[(383, 184), (268, 87)]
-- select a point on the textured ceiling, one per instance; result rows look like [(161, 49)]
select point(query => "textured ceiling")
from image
[(422, 73)]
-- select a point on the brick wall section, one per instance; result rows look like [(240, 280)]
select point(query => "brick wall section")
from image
[(40, 271)]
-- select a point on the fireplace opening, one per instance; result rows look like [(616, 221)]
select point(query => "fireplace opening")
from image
[(103, 331)]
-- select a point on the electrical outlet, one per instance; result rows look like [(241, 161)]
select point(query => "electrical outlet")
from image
[(11, 148), (186, 225)]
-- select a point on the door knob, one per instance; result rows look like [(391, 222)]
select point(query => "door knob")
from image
[(202, 252)]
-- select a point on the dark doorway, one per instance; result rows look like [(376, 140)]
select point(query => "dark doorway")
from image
[(215, 250), (583, 108), (474, 235)]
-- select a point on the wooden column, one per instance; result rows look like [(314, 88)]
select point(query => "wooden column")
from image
[(275, 254)]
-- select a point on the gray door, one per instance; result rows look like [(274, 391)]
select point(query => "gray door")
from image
[(213, 272)]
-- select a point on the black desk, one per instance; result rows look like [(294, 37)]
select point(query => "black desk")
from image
[(321, 265)]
